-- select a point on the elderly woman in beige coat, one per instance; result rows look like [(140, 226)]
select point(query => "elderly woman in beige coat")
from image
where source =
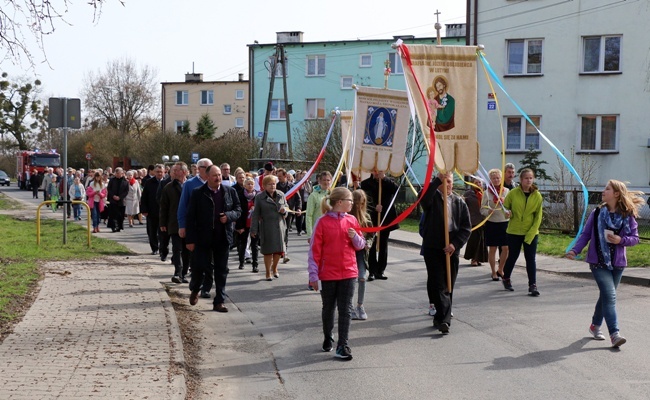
[(268, 222)]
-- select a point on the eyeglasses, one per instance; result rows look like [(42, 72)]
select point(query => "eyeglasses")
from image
[(350, 200), (202, 166)]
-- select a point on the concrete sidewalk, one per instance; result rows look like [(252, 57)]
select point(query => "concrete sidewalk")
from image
[(635, 276), (97, 329)]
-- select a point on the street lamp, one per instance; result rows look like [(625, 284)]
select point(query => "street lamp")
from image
[(174, 159)]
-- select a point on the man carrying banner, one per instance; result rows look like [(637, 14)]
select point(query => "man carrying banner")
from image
[(435, 250), (380, 191)]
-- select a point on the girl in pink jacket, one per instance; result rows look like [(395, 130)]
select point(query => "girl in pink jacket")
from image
[(332, 263)]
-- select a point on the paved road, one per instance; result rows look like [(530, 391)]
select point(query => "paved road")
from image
[(502, 344)]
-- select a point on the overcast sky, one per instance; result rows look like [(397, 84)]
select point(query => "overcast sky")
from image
[(170, 35)]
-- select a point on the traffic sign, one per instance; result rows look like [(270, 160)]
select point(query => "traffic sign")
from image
[(89, 156), (195, 157)]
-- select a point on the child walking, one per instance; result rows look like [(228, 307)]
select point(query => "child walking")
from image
[(360, 212), (332, 261), (610, 228)]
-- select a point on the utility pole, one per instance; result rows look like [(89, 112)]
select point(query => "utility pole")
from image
[(278, 57), (287, 106), (274, 66)]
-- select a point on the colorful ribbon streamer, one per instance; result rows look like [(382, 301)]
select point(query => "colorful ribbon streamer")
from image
[(566, 162)]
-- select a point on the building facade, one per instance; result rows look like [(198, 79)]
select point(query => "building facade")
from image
[(226, 102), (319, 78), (581, 71)]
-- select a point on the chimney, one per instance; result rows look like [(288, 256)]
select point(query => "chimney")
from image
[(193, 77), (241, 77), (289, 37)]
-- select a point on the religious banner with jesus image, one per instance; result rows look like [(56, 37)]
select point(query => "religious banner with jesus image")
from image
[(442, 84), (381, 128)]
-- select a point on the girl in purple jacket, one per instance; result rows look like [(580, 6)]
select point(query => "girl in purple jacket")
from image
[(610, 228)]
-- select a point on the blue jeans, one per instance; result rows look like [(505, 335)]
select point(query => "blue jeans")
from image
[(76, 208), (607, 282), (95, 214), (530, 250)]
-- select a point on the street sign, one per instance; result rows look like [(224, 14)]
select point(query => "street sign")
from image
[(195, 158), (260, 134), (55, 117), (89, 156), (491, 105)]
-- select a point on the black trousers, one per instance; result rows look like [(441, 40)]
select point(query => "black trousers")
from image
[(337, 295), (116, 216), (242, 242), (377, 260), (180, 256), (202, 258), (439, 296), (153, 232)]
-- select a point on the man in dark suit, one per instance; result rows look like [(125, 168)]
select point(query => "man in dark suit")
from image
[(118, 189), (213, 208), (378, 207), (151, 209), (169, 199)]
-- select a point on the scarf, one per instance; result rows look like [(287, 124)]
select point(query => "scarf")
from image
[(479, 195), (495, 195), (613, 221), (249, 195), (132, 181)]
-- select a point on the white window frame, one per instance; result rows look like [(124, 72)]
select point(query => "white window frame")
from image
[(525, 56), (239, 122), (312, 108), (598, 134), (239, 94), (525, 129), (601, 55), (344, 85), (209, 97), (361, 63), (278, 104), (227, 109), (185, 98), (180, 124), (317, 59), (396, 67)]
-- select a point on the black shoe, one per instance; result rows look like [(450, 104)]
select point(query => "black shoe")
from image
[(444, 328), (255, 270), (344, 353), (248, 260), (184, 280), (371, 278), (299, 233), (436, 324), (507, 285), (532, 290), (163, 258), (205, 295), (382, 277), (327, 344), (176, 279), (241, 266), (153, 252)]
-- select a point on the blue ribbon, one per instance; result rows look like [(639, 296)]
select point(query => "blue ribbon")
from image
[(555, 149)]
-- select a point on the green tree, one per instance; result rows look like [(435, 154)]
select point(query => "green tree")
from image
[(21, 112), (205, 128), (531, 160), (312, 135)]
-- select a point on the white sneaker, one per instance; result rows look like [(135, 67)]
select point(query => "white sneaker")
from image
[(617, 339), (432, 310), (595, 332), (361, 313)]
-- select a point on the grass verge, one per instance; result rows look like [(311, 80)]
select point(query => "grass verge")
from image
[(20, 259), (555, 244)]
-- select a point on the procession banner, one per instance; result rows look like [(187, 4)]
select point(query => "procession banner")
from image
[(381, 124), (442, 84)]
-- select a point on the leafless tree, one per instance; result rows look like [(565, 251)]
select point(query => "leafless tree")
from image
[(22, 19), (123, 97)]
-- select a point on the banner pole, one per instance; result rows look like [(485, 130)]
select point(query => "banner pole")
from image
[(378, 217), (446, 224)]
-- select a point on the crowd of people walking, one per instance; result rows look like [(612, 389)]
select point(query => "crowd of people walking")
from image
[(206, 212)]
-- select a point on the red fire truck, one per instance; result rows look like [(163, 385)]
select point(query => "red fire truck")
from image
[(27, 161)]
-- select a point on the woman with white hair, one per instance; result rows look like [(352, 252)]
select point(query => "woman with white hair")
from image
[(133, 198)]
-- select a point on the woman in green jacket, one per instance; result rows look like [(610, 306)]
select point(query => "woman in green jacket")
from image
[(525, 208)]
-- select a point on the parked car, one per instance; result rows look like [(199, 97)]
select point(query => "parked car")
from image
[(4, 179)]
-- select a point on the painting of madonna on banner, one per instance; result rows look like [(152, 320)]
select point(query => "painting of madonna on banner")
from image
[(380, 126)]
